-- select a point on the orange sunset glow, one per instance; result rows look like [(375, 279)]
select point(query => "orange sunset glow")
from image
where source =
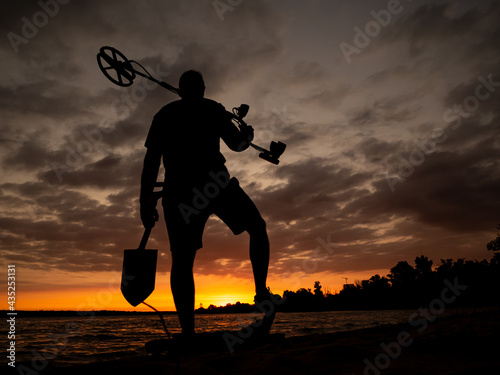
[(217, 291)]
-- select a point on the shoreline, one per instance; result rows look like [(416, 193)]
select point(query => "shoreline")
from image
[(86, 313), (453, 344)]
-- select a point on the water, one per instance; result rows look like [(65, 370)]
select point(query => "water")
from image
[(84, 339)]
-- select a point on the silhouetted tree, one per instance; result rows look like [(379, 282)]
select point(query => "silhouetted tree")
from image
[(317, 290), (446, 266), (402, 274), (301, 300), (494, 245), (379, 283), (423, 266), (495, 261)]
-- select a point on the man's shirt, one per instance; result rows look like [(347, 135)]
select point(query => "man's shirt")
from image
[(188, 137)]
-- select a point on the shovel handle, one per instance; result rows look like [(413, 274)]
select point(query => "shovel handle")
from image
[(144, 240)]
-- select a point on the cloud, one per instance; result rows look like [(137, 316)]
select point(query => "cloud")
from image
[(29, 156)]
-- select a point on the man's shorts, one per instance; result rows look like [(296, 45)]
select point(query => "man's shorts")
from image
[(187, 212)]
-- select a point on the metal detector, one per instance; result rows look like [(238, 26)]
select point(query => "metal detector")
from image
[(119, 70)]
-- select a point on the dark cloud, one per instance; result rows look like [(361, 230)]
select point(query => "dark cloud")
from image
[(29, 156), (455, 191), (310, 185), (375, 150), (388, 111), (398, 72), (470, 33), (44, 98), (69, 231), (111, 171)]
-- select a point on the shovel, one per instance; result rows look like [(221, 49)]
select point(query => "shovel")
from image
[(139, 272)]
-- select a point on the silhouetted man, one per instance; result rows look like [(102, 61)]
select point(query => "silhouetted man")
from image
[(186, 134)]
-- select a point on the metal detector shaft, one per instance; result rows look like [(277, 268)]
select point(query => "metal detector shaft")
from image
[(163, 84)]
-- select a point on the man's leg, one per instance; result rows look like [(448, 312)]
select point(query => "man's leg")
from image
[(182, 284), (235, 208), (259, 253)]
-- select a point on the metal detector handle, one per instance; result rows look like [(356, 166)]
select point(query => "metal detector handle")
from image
[(144, 240), (243, 125)]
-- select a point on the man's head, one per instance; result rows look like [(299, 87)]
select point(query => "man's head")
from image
[(191, 85)]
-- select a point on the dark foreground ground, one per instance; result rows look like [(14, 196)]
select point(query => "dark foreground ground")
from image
[(461, 344)]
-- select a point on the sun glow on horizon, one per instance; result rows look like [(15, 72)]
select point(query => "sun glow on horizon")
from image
[(210, 290), (105, 294)]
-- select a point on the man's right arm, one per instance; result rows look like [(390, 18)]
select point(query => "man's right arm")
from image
[(148, 179), (237, 140)]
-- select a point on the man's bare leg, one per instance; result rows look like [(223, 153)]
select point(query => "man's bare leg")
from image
[(182, 285), (259, 254)]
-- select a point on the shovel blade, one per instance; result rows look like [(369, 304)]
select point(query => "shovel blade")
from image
[(138, 275)]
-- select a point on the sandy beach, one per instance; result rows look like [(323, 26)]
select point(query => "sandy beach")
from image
[(459, 344)]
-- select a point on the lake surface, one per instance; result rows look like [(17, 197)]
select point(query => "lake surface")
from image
[(84, 339)]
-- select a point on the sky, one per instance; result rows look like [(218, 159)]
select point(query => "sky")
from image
[(389, 110)]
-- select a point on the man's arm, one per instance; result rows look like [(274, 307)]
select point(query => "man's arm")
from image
[(148, 179)]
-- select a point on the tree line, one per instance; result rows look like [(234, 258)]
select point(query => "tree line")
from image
[(405, 287)]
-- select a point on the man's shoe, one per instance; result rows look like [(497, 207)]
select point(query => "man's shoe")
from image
[(276, 299)]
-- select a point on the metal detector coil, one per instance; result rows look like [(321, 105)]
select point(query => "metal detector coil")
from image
[(119, 70)]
